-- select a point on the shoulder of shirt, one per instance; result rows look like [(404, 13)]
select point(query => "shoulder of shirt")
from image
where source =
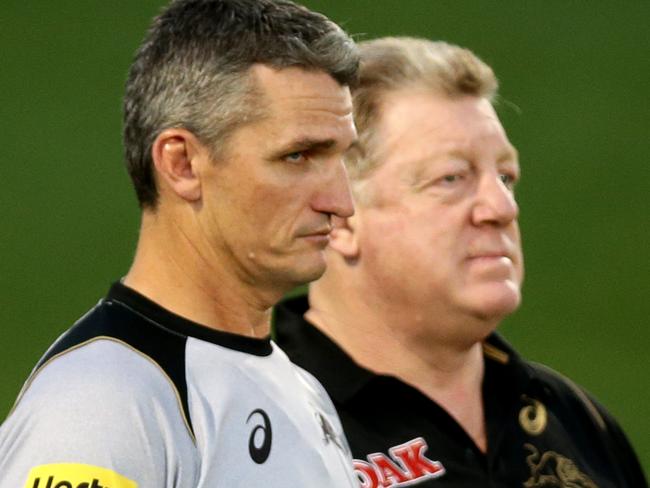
[(578, 405), (554, 382), (101, 403), (103, 378), (562, 387), (614, 438), (565, 388), (101, 364), (97, 359)]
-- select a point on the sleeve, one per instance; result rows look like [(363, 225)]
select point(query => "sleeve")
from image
[(99, 415), (621, 450), (622, 459)]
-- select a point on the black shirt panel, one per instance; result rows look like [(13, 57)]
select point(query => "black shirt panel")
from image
[(542, 430), (176, 324), (147, 327), (113, 320)]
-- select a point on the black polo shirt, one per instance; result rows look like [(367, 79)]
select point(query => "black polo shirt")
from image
[(542, 430)]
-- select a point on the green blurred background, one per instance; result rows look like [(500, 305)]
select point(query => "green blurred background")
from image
[(575, 78)]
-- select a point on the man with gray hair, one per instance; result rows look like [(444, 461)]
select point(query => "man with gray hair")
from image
[(236, 117), (401, 328)]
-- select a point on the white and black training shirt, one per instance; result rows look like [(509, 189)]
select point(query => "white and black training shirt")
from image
[(136, 396)]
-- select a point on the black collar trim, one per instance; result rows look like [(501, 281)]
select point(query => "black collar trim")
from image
[(311, 349), (137, 303)]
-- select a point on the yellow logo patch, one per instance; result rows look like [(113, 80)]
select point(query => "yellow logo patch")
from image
[(71, 475)]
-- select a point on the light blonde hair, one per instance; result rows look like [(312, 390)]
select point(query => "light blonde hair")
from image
[(393, 64)]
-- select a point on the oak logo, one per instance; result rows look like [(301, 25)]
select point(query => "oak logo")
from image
[(72, 475), (407, 465)]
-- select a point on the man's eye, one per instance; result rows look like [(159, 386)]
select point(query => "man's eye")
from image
[(508, 180), (295, 157), (451, 178)]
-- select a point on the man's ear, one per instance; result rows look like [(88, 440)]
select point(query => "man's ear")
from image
[(343, 238), (175, 154)]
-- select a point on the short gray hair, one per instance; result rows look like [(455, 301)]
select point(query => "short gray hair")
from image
[(193, 71)]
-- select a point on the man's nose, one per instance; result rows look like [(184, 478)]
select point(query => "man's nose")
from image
[(495, 202), (334, 196)]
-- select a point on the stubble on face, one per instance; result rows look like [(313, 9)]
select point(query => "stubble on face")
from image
[(281, 179)]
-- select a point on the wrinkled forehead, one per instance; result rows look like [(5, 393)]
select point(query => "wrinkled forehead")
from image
[(296, 87), (305, 105), (416, 129), (420, 125)]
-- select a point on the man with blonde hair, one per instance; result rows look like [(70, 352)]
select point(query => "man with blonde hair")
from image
[(401, 328)]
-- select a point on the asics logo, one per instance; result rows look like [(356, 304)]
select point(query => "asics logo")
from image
[(259, 443)]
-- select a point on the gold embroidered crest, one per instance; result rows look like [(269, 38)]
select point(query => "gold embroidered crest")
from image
[(533, 417), (552, 470)]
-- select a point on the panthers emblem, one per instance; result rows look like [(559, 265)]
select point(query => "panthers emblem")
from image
[(551, 470)]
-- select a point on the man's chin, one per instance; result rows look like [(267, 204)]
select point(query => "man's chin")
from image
[(497, 302), (308, 270)]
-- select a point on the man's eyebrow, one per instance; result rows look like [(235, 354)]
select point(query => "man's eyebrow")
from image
[(309, 144), (509, 154)]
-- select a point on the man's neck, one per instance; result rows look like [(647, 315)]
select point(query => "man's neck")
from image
[(188, 281), (402, 344)]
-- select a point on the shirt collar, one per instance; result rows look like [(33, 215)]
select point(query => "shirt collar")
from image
[(149, 310), (314, 351), (311, 349)]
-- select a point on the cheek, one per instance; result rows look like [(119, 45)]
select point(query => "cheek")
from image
[(420, 235), (280, 217), (401, 240), (519, 266), (270, 203), (515, 237)]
